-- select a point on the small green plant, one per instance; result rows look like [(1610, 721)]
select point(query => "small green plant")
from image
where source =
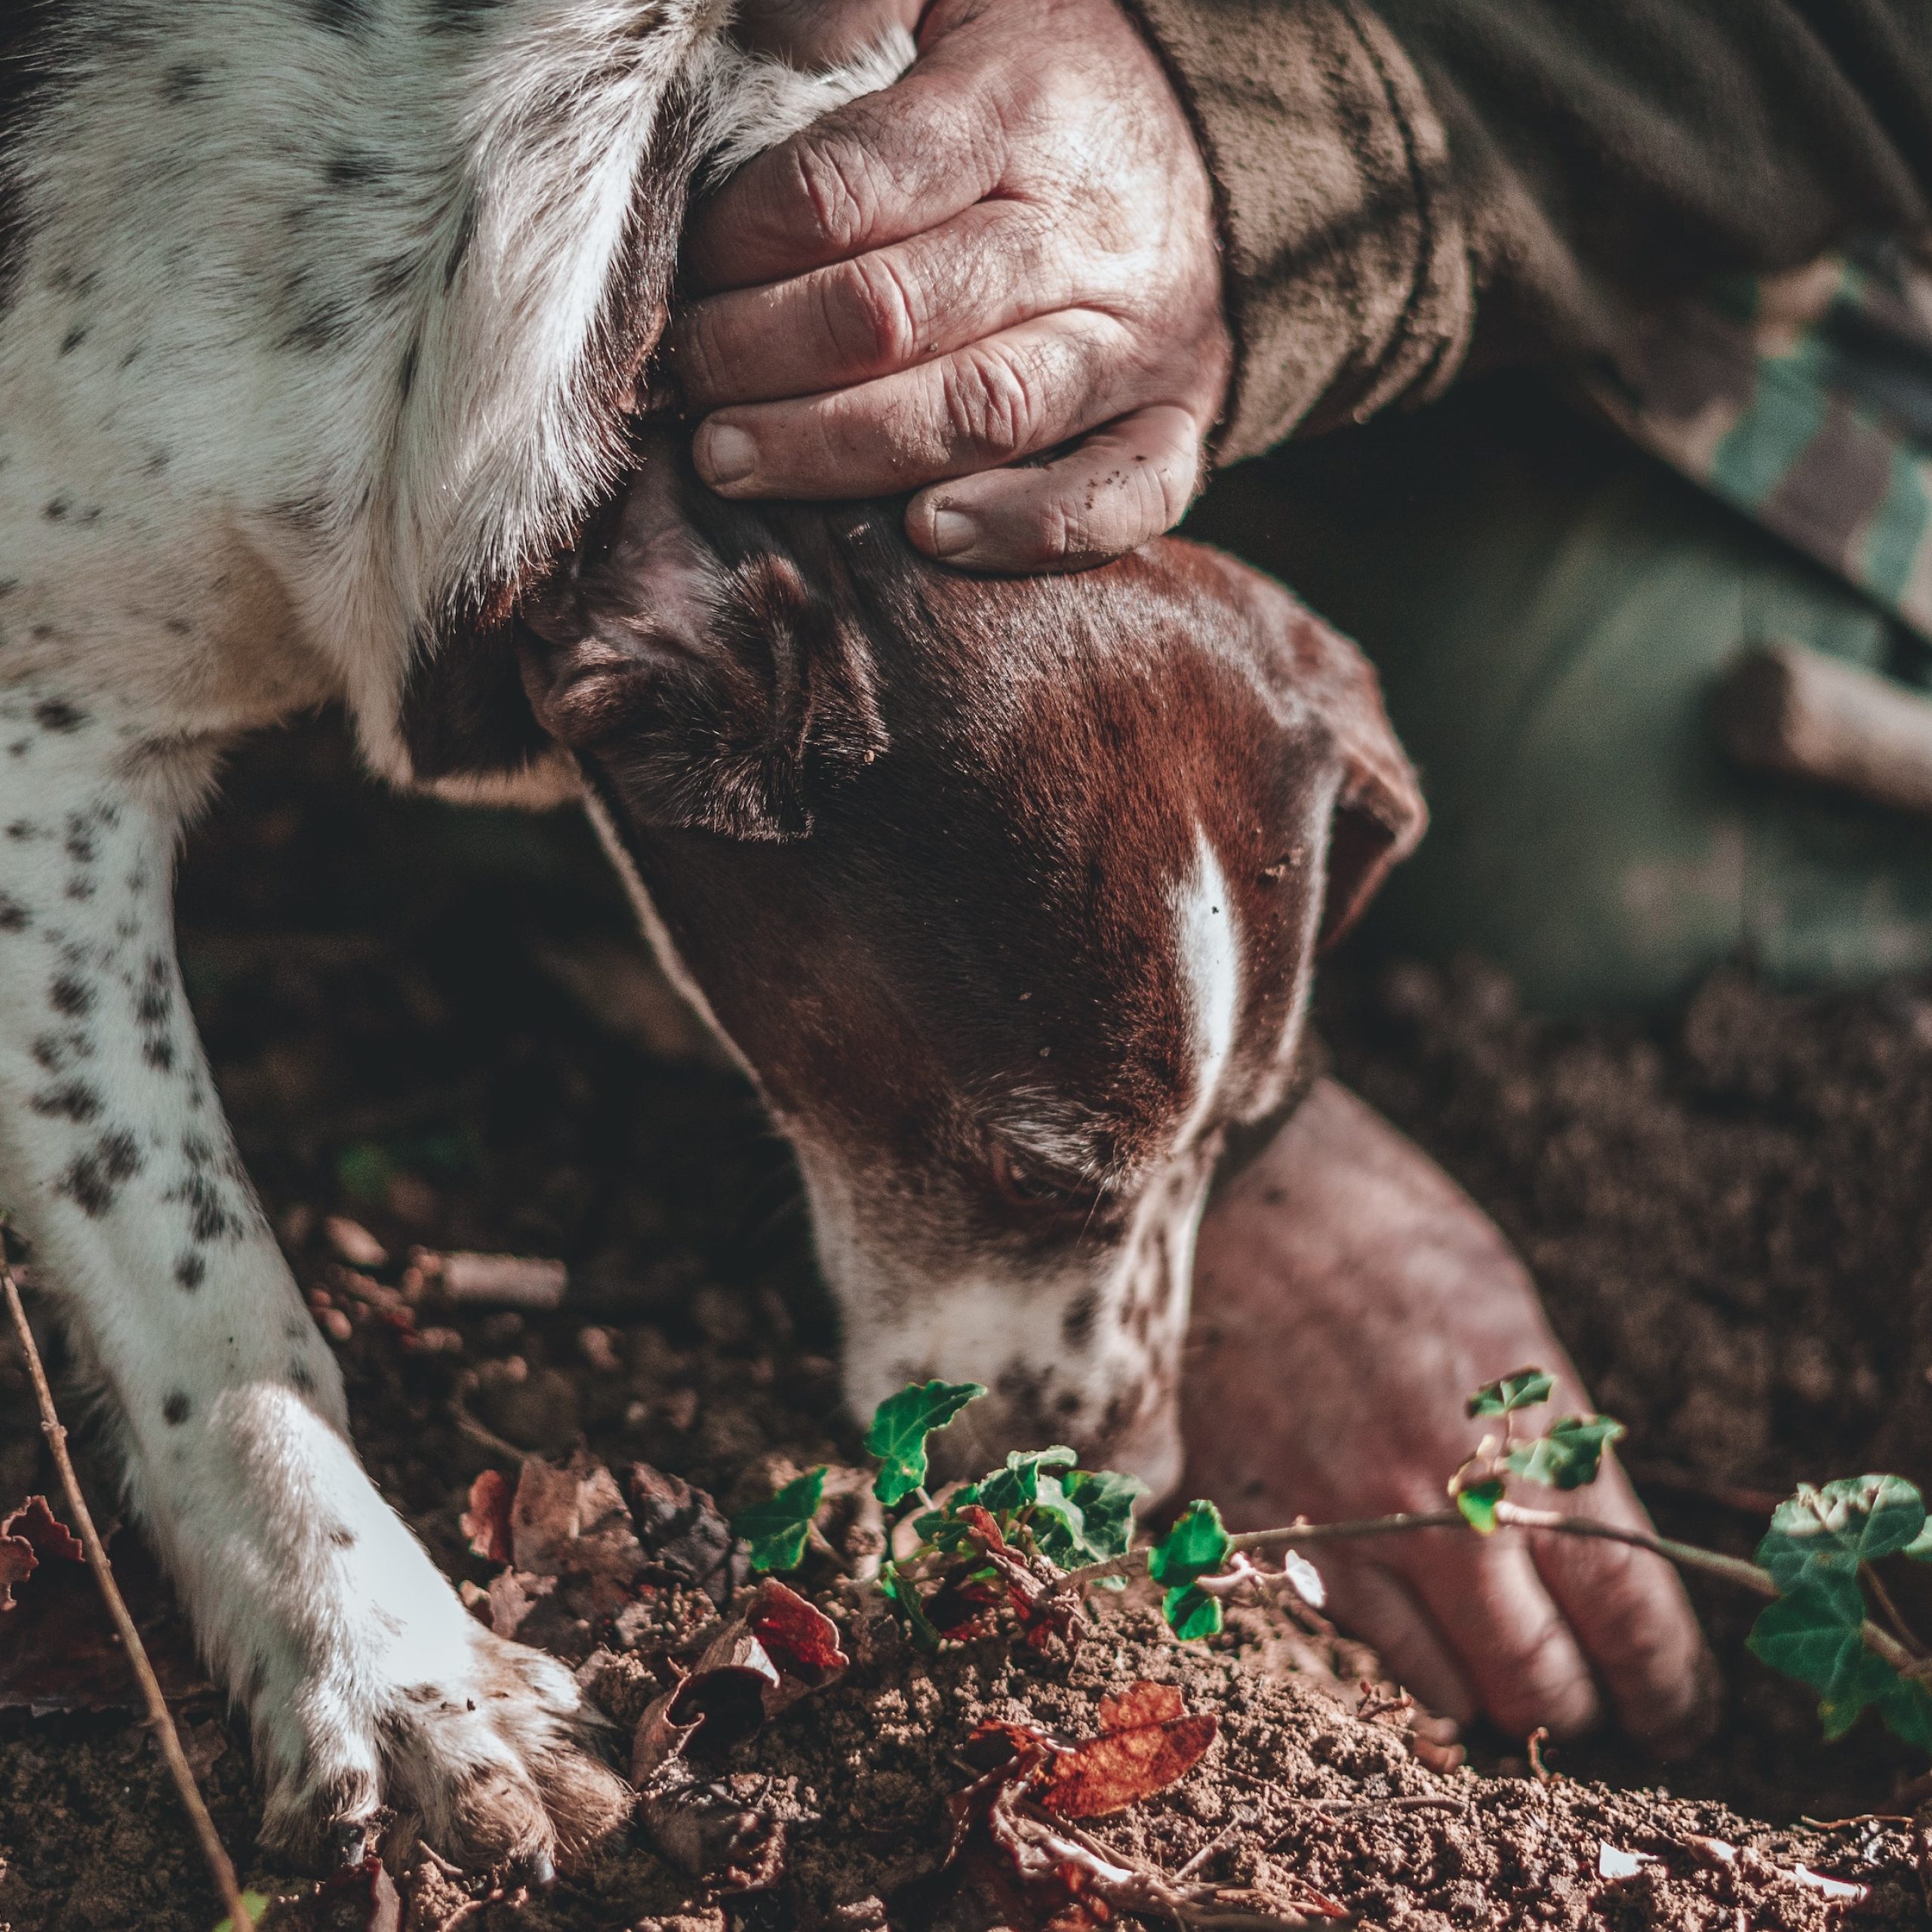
[(1031, 1537)]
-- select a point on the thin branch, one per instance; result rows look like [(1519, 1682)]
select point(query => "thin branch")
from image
[(159, 1717), (1686, 1556)]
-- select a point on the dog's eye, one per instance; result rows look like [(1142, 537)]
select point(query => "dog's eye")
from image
[(1022, 1186)]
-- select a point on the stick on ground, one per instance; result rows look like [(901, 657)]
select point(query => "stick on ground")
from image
[(159, 1716)]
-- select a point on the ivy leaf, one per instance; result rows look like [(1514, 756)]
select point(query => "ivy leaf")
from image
[(1831, 1531), (1105, 1500), (1569, 1455), (1815, 1633), (1527, 1388), (1478, 1503), (901, 1424), (777, 1530), (1198, 1543), (1191, 1612), (1906, 1708), (905, 1593), (1007, 1491)]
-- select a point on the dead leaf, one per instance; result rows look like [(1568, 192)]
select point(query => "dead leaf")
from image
[(30, 1536), (362, 1898), (707, 1831), (1147, 1742), (780, 1649), (486, 1521), (574, 1522), (59, 1651), (685, 1534)]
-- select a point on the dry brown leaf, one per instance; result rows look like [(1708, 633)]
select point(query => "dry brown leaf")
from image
[(30, 1536), (486, 1521), (1148, 1742), (574, 1522), (780, 1649)]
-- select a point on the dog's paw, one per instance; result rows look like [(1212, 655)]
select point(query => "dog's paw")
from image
[(490, 1760)]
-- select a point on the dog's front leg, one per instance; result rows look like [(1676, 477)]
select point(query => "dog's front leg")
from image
[(366, 1684)]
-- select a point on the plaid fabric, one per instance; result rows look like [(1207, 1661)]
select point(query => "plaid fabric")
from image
[(1805, 400)]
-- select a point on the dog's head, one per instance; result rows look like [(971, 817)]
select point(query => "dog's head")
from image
[(1006, 892)]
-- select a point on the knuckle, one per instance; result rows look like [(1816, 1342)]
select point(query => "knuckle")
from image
[(829, 181), (876, 313), (991, 406)]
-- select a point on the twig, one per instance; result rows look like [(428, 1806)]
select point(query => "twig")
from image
[(1509, 1515), (159, 1717)]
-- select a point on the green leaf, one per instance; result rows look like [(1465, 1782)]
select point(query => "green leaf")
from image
[(905, 1595), (1198, 1543), (254, 1903), (1568, 1456), (1059, 1523), (1478, 1503), (1815, 1634), (1831, 1530), (777, 1531), (1906, 1709), (1007, 1491), (1526, 1390), (1105, 1500), (901, 1424), (1192, 1612)]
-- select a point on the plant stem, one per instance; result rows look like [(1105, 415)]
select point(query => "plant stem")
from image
[(1686, 1556), (159, 1717)]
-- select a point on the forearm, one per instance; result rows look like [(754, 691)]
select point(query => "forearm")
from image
[(1405, 188)]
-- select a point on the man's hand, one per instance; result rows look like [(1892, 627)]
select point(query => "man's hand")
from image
[(1011, 253), (1348, 1297)]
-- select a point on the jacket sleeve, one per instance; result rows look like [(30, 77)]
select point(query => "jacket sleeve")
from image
[(1406, 188)]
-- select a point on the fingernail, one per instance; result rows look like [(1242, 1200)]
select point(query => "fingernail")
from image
[(953, 531), (725, 454)]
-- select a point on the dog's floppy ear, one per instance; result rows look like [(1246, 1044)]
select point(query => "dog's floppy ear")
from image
[(682, 652), (1379, 813)]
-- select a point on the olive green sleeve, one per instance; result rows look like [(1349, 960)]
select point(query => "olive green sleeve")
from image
[(1406, 187)]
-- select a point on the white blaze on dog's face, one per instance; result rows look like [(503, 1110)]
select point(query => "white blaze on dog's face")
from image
[(1006, 892)]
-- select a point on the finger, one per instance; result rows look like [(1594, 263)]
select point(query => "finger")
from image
[(1024, 389), (1376, 1606), (970, 277), (1629, 1611), (881, 168), (1508, 1638), (1117, 488)]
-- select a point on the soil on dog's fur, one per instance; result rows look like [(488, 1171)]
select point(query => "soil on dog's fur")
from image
[(417, 1022)]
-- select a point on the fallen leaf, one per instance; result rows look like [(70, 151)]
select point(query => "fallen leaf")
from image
[(362, 1898), (30, 1536), (780, 1649), (574, 1522), (59, 1651), (1147, 1742), (707, 1831), (685, 1534), (486, 1521)]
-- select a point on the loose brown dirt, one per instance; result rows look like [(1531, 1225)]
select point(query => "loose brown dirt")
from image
[(417, 1023)]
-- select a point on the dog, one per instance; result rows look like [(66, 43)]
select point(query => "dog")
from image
[(323, 324)]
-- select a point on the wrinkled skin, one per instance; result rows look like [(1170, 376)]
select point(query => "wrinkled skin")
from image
[(1348, 1294), (1011, 250)]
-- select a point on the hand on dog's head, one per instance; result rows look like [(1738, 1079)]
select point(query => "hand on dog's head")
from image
[(1007, 891)]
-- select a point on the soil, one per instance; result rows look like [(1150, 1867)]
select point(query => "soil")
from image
[(435, 1024)]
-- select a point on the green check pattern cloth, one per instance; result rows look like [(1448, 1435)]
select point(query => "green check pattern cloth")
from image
[(1805, 400)]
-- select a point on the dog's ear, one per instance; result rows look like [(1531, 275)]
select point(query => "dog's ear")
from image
[(682, 652), (1380, 816), (1379, 813)]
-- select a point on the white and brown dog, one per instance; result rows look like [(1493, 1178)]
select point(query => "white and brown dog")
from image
[(321, 326)]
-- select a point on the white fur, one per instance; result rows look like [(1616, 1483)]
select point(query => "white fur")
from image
[(1210, 957), (220, 500)]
